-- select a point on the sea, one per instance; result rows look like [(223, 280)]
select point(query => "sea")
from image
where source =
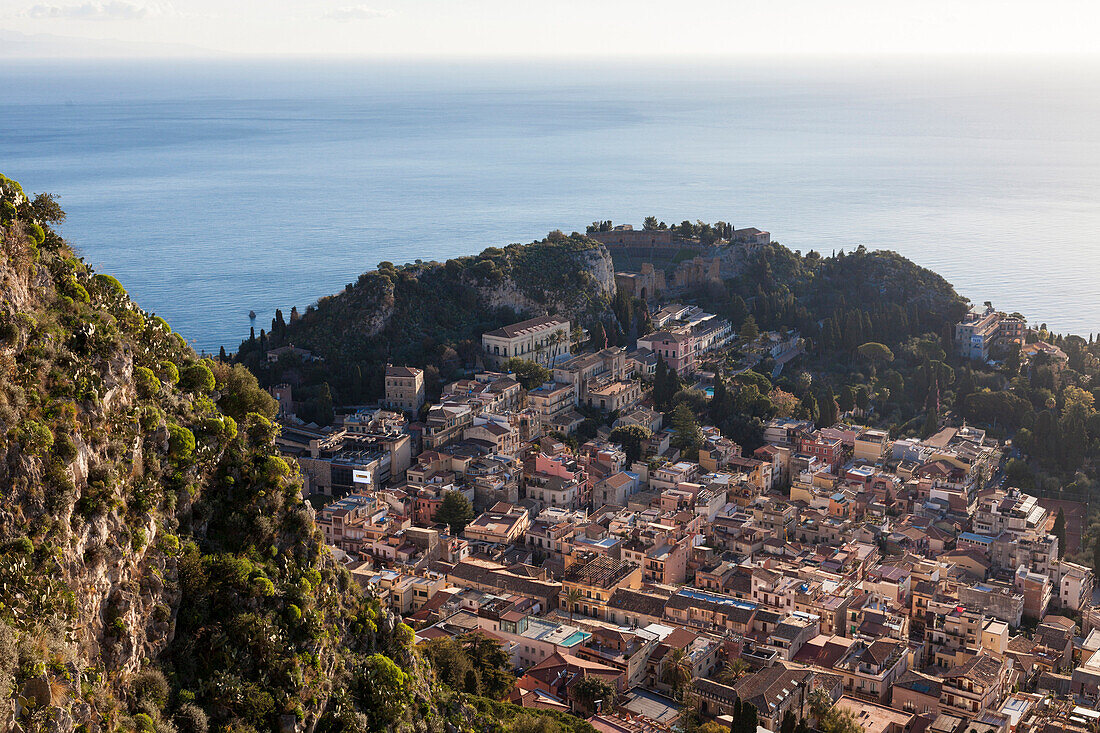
[(218, 187)]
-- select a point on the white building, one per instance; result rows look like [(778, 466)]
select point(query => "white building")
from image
[(543, 340)]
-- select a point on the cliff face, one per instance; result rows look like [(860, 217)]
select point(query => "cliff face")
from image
[(530, 293), (158, 567)]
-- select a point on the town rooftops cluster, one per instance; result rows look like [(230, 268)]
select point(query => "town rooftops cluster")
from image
[(899, 576)]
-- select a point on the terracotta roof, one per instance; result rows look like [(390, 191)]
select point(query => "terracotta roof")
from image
[(640, 602), (525, 327), (401, 371), (983, 668), (768, 687)]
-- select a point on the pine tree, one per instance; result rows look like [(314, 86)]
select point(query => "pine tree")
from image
[(455, 511), (688, 436)]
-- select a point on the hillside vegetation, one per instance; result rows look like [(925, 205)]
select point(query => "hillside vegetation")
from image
[(159, 570)]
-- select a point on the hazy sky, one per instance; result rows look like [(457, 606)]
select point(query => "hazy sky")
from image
[(571, 27)]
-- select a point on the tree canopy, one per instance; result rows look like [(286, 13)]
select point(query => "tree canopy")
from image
[(455, 511)]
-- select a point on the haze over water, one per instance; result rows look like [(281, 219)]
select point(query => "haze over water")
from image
[(214, 188)]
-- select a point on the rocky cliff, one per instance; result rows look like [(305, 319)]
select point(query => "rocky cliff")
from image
[(158, 567)]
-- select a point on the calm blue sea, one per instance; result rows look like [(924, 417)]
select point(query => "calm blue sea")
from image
[(211, 189)]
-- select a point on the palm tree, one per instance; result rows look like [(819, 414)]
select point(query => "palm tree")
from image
[(733, 670), (678, 671), (573, 596), (554, 339)]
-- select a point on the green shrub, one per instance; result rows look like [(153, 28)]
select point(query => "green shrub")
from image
[(220, 427), (7, 211), (229, 427), (162, 324), (76, 291), (169, 372), (64, 447), (191, 718), (60, 489), (152, 687), (147, 383), (260, 429), (181, 442), (404, 636), (277, 468), (35, 232), (263, 587), (144, 724), (293, 614), (150, 417), (35, 437), (196, 378), (20, 546), (109, 287), (131, 321), (169, 544)]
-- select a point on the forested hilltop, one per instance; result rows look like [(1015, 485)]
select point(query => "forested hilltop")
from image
[(159, 570), (430, 314)]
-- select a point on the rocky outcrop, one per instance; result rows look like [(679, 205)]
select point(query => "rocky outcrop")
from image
[(594, 271)]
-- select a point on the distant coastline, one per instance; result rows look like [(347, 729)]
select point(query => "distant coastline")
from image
[(218, 188)]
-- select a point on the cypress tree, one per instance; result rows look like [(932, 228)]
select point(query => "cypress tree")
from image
[(827, 408), (664, 384), (750, 717)]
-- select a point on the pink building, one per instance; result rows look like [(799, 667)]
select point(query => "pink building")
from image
[(830, 451), (679, 350)]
